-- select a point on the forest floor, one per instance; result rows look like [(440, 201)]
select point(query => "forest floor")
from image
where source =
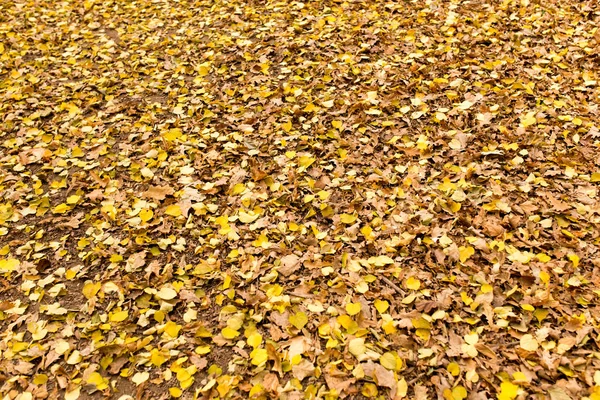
[(299, 200)]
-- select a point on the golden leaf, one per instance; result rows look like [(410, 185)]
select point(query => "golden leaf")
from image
[(353, 308)]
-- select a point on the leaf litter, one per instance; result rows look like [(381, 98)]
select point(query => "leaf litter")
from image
[(299, 200)]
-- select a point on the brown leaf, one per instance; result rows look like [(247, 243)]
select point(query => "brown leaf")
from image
[(557, 393), (485, 350), (382, 376), (115, 366), (338, 384), (289, 264), (302, 370), (95, 195), (199, 362), (270, 382), (34, 155), (158, 193)]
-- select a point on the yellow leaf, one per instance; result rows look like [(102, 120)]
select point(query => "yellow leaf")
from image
[(459, 393), (388, 361), (259, 356), (238, 188), (486, 288), (310, 108), (140, 377), (175, 392), (202, 350), (17, 347), (172, 329), (595, 177), (159, 316), (347, 218), (147, 173), (357, 346), (146, 214), (540, 314), (40, 379), (261, 241), (367, 232), (353, 308), (471, 338), (381, 305), (172, 134), (345, 321), (183, 375), (508, 391), (73, 394), (453, 368), (166, 293), (157, 358), (61, 347), (229, 333), (520, 377), (465, 253), (369, 390), (574, 259), (173, 210), (9, 265), (412, 283), (299, 320), (119, 316), (73, 199), (97, 380), (529, 119), (337, 124), (203, 69), (287, 126), (37, 330), (77, 152), (465, 105), (529, 343), (187, 383), (246, 218), (255, 339), (60, 209), (543, 257), (74, 358), (544, 276), (306, 161), (380, 261), (402, 388)]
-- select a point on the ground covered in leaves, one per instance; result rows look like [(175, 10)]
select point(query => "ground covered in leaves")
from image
[(299, 200)]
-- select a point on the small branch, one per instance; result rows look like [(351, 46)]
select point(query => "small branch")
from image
[(495, 345), (302, 296), (393, 285)]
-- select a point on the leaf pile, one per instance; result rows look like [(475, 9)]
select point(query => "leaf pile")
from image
[(299, 200)]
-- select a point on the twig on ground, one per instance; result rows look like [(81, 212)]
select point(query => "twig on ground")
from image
[(393, 285)]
